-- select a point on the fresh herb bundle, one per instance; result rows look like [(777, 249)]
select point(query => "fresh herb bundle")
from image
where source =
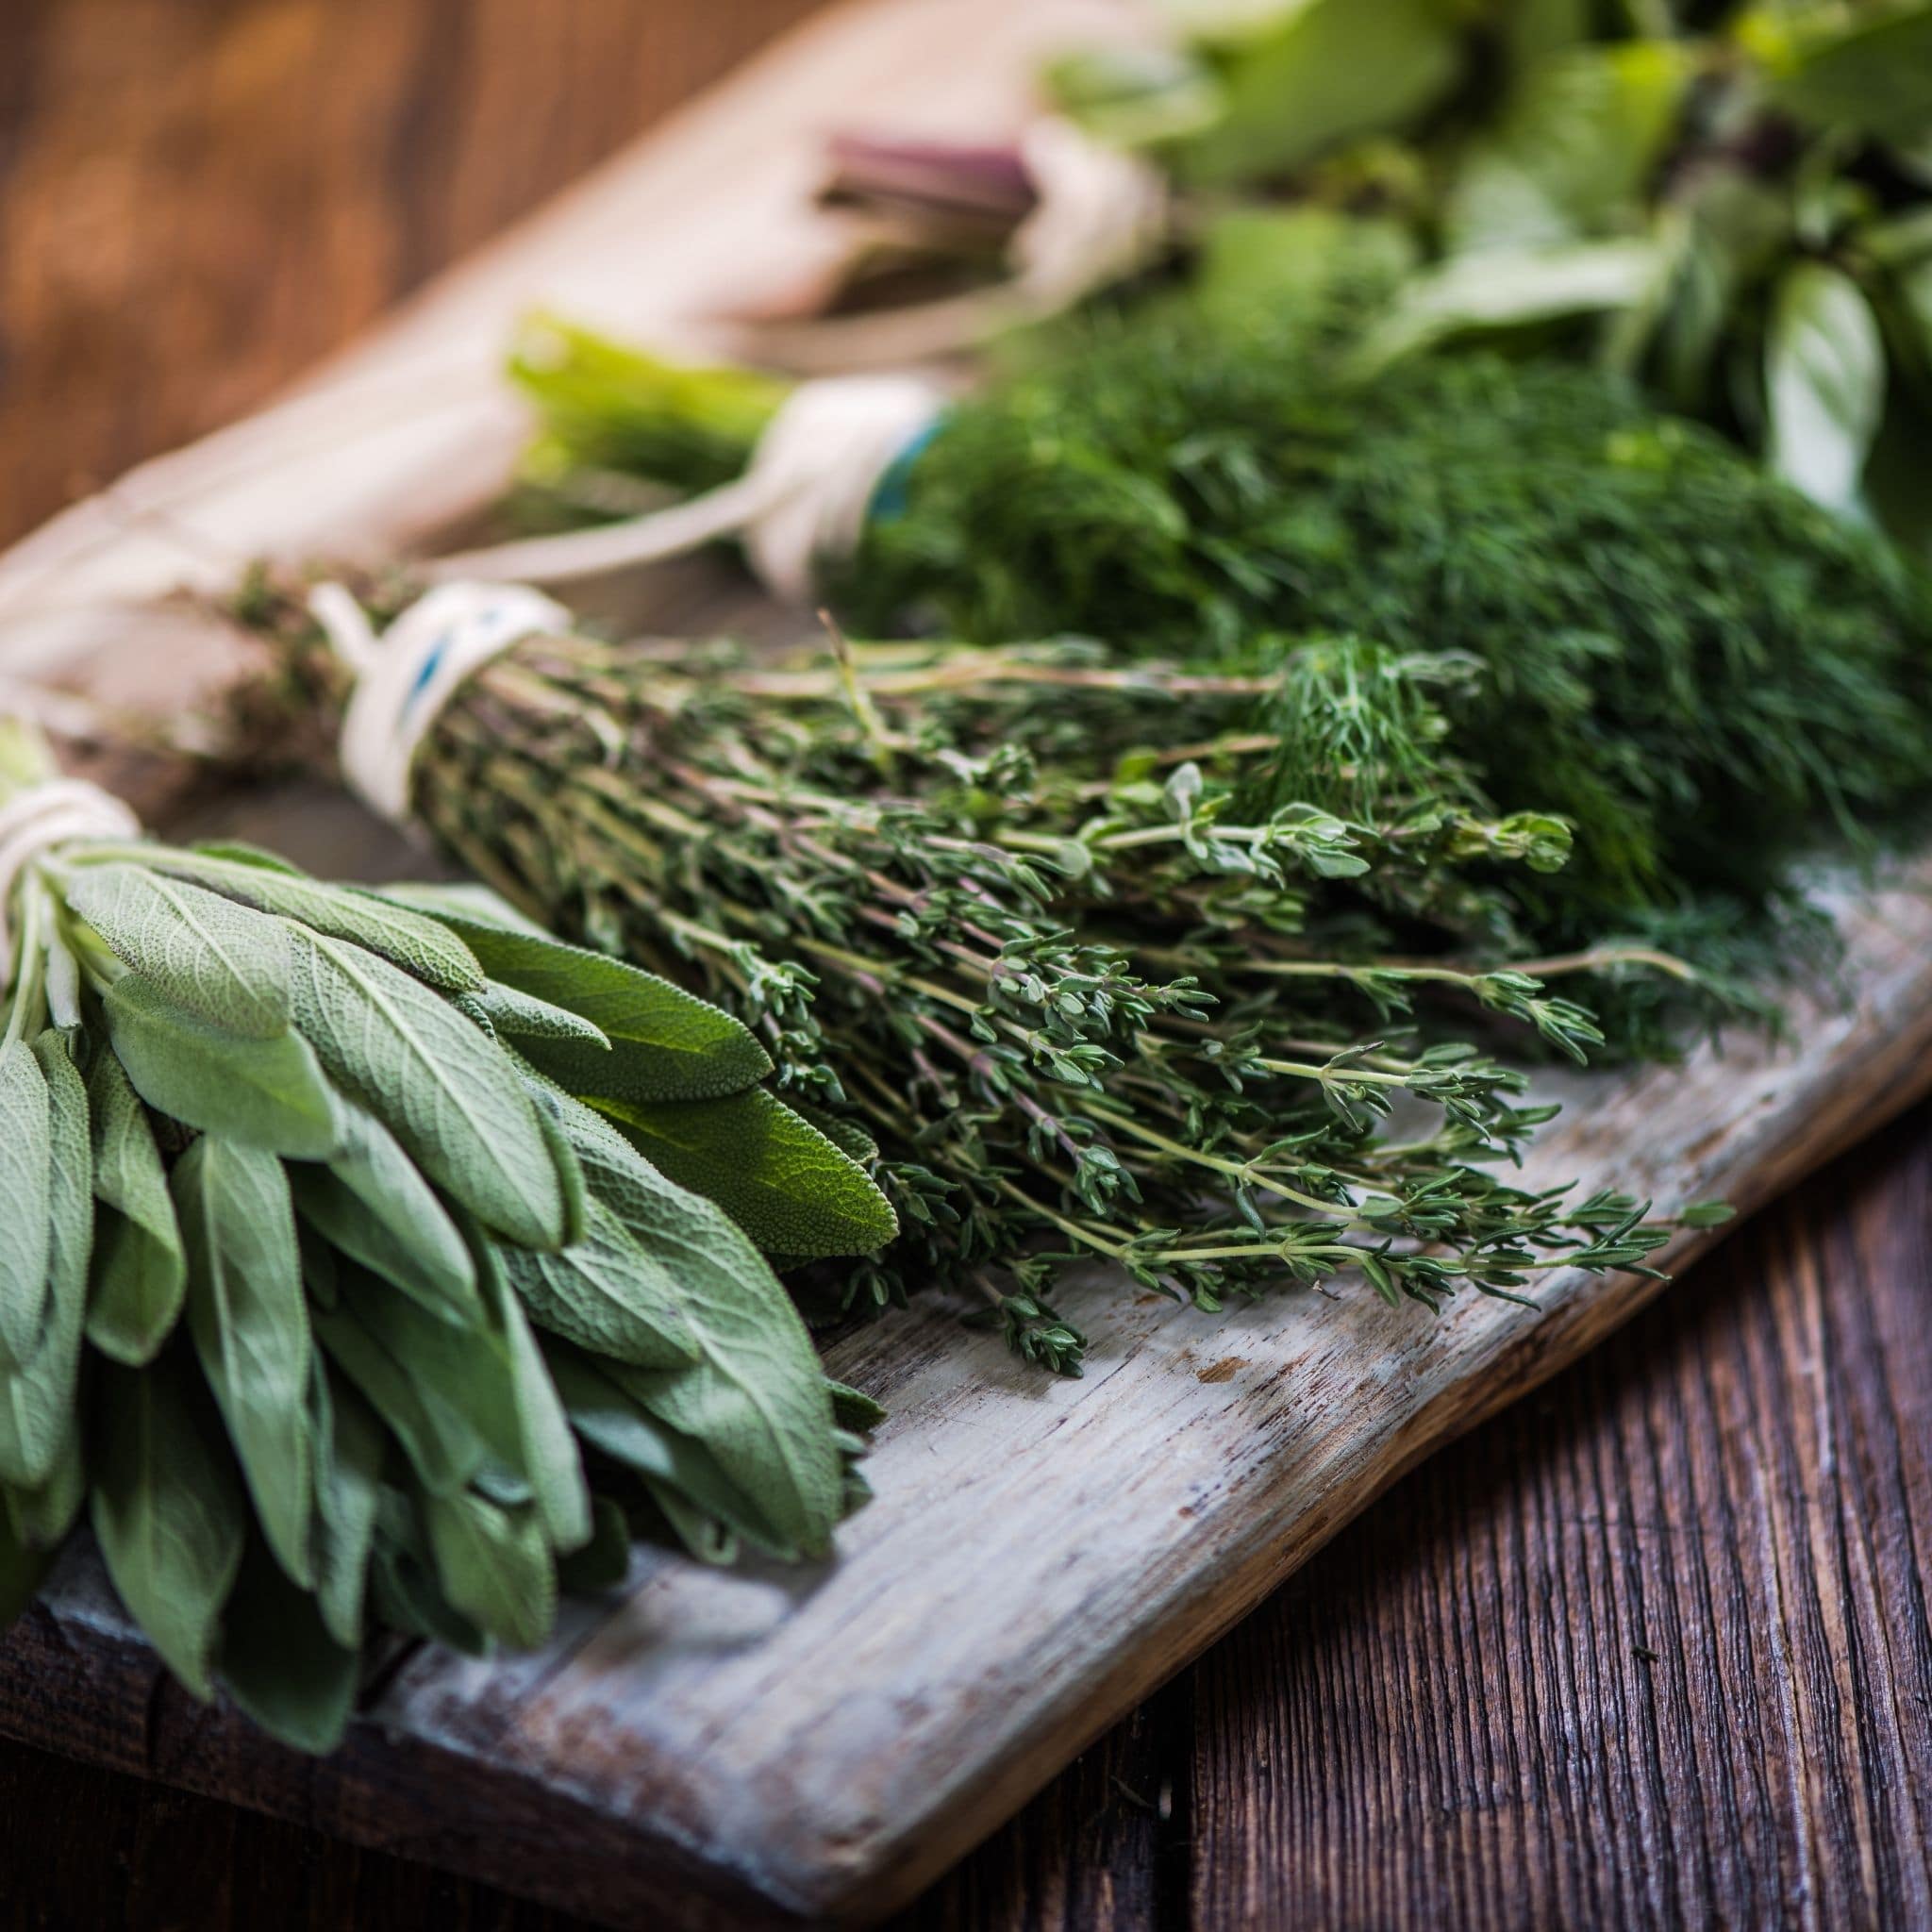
[(1725, 201), (1056, 940), (325, 1300), (1696, 667)]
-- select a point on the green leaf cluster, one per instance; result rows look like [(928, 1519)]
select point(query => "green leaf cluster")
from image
[(333, 1304), (1727, 202)]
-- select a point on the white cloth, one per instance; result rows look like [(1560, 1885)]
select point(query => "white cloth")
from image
[(405, 677), (801, 499), (61, 811)]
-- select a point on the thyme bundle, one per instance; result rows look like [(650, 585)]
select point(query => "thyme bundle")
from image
[(329, 1307), (1053, 943)]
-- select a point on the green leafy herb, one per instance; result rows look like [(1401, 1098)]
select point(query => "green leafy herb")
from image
[(288, 1110)]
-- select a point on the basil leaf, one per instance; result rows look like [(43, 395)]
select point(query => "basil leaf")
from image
[(754, 1397), (664, 1044), (371, 1203), (349, 1446), (139, 1273), (411, 940), (494, 1565), (168, 1514), (1505, 288), (778, 1178), (1319, 73), (1573, 150), (1866, 68), (250, 1323), (266, 1093), (279, 1661), (1824, 384), (225, 963), (26, 1177), (451, 1096)]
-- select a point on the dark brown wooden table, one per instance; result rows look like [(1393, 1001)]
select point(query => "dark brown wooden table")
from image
[(1652, 1649)]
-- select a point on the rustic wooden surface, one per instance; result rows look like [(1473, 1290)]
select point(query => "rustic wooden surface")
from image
[(1452, 1713)]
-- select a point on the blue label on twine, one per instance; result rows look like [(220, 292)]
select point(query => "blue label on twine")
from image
[(893, 497)]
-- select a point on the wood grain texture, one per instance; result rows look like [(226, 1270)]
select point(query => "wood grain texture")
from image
[(1351, 1842), (1652, 1652)]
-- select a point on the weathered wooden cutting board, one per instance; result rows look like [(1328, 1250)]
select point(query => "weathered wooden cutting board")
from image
[(715, 1749)]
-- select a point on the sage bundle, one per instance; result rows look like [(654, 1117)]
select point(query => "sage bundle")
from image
[(1051, 940), (324, 1297)]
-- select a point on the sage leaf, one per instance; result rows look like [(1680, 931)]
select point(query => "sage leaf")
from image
[(250, 1323), (1824, 384), (42, 1516), (777, 1176), (418, 944), (442, 1443), (21, 1571), (370, 1202), (549, 1458), (621, 1427), (280, 1662), (168, 1514), (756, 1396), (267, 1094), (468, 1369), (225, 963), (139, 1273), (25, 1180), (37, 1396), (524, 1016), (404, 1590), (603, 1560), (349, 1448), (494, 1565), (664, 1045), (610, 1292), (450, 1095)]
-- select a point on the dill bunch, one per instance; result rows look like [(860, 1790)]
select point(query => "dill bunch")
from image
[(1683, 656), (1046, 939)]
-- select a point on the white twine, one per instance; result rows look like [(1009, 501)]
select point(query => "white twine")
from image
[(405, 679), (802, 500), (1098, 214), (59, 811), (1101, 213)]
